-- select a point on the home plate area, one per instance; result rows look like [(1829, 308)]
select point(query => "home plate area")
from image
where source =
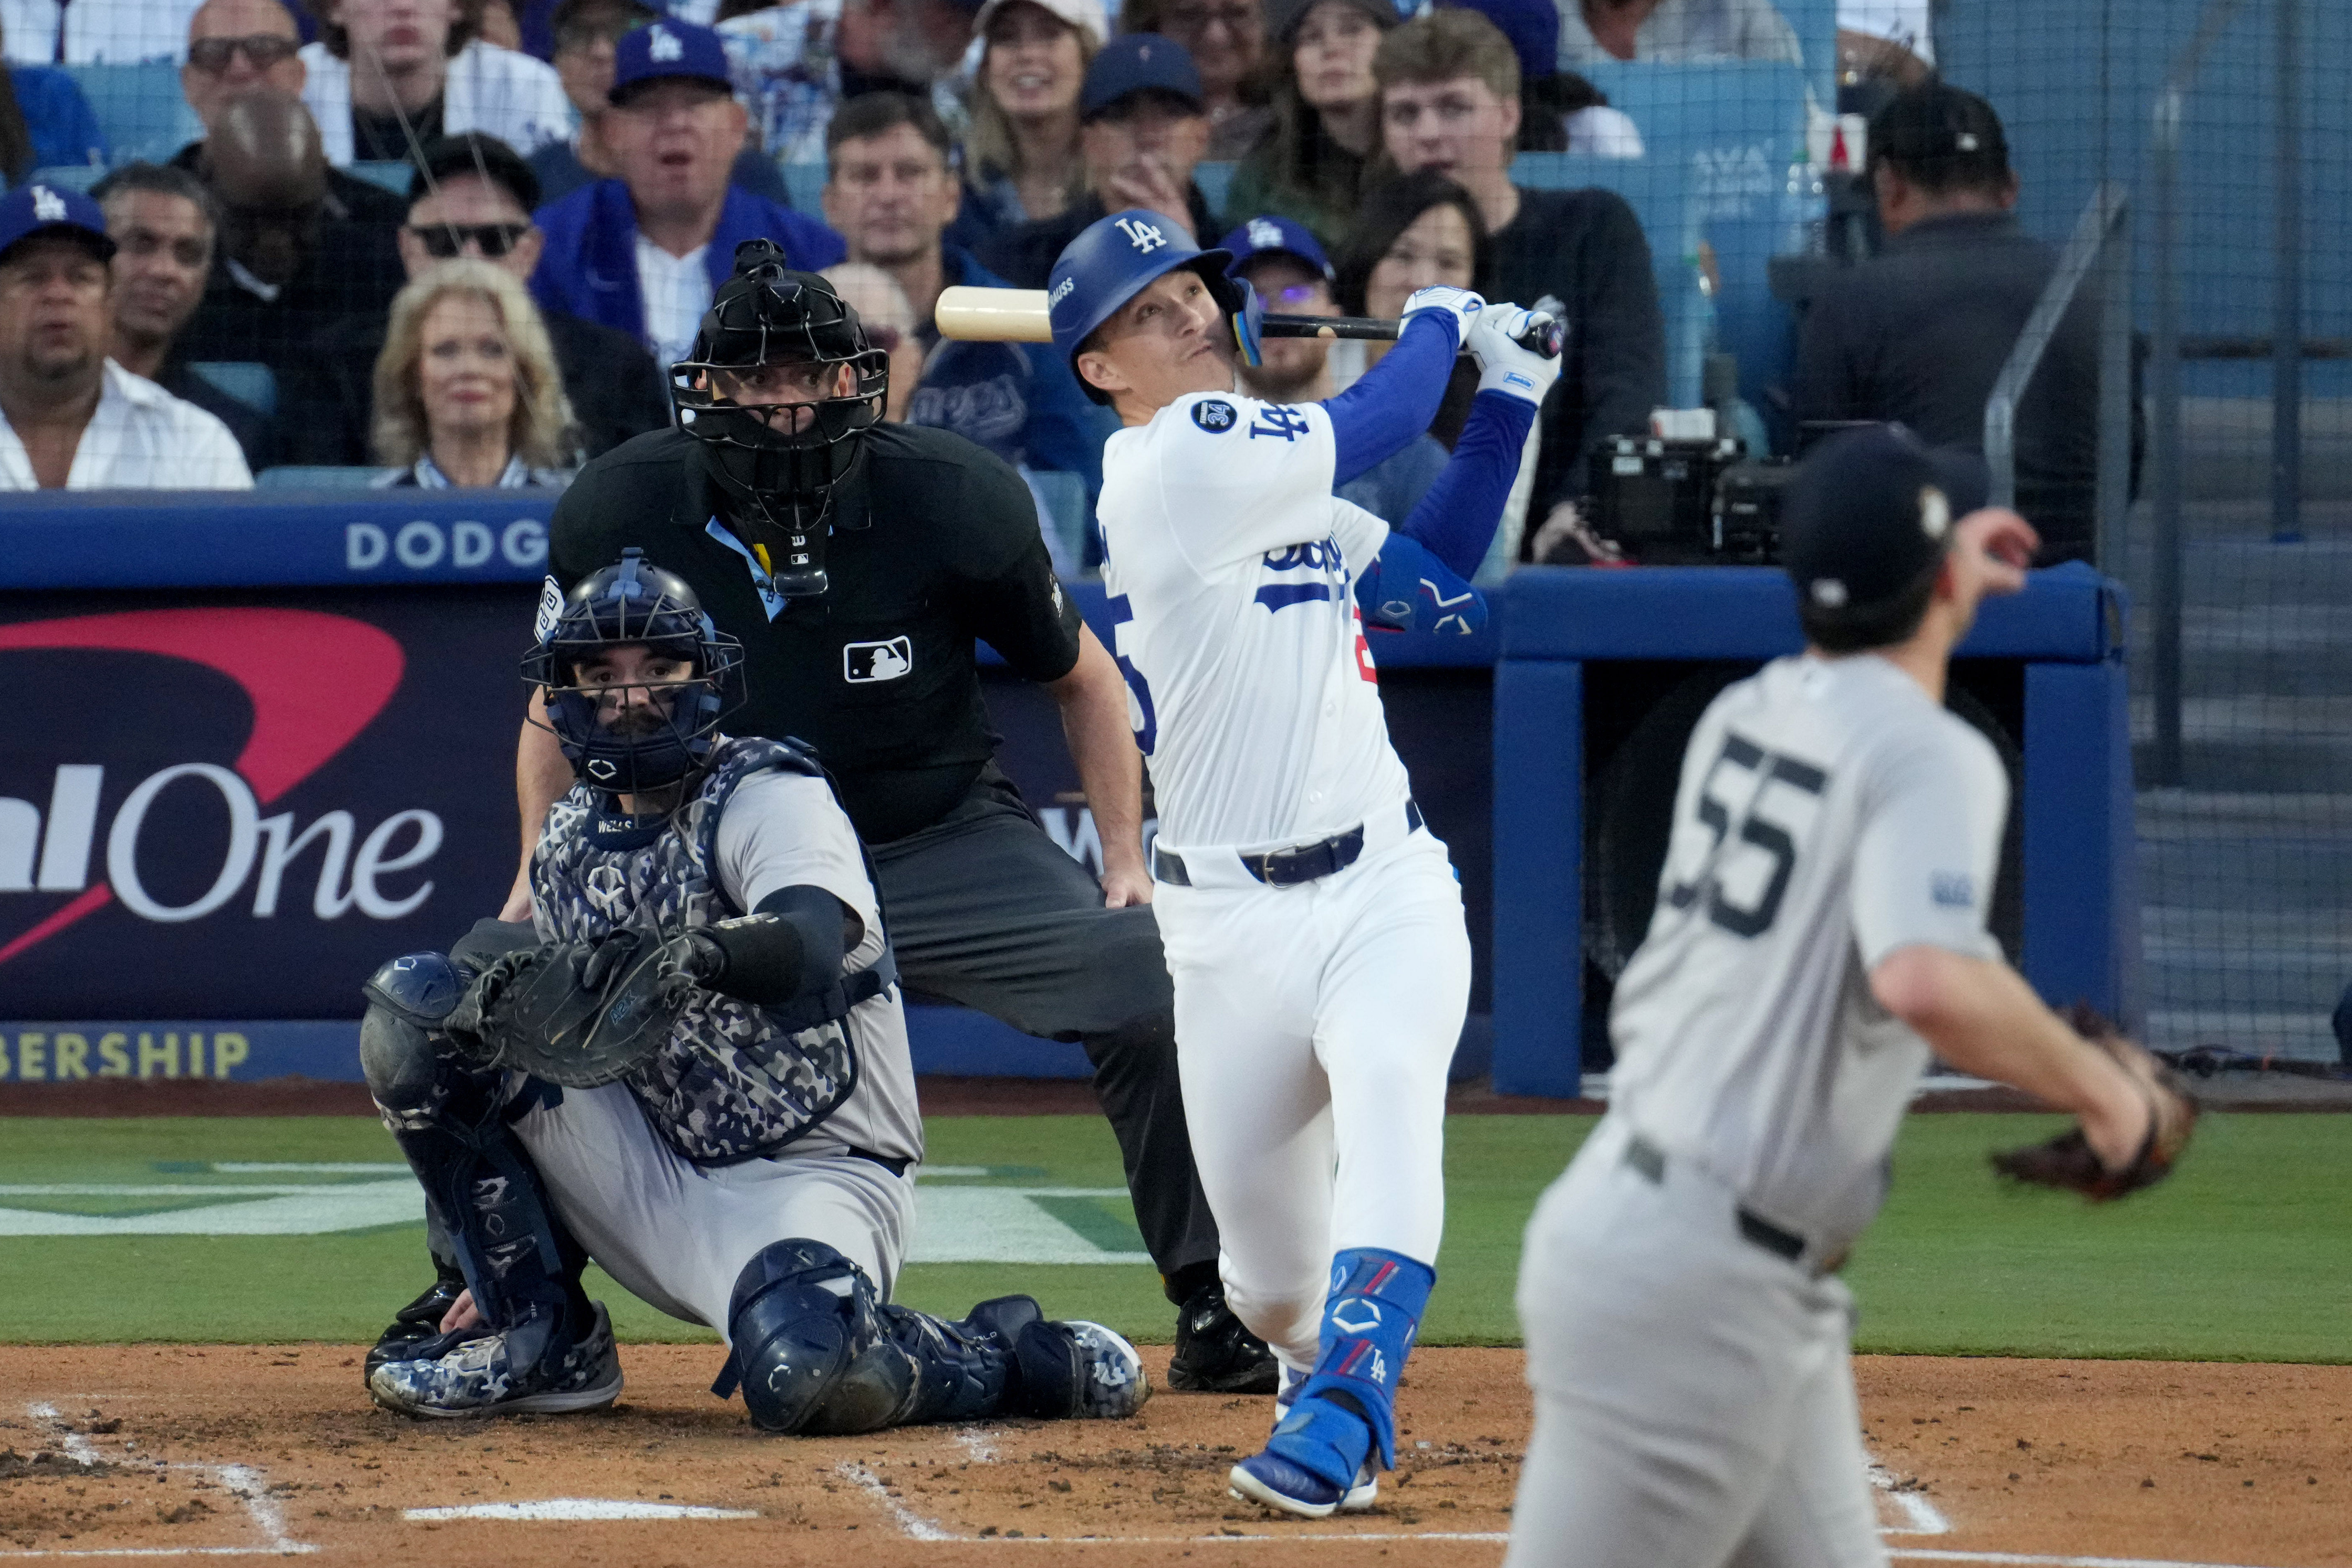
[(203, 1451)]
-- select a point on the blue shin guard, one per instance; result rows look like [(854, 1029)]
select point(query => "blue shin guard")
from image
[(1347, 1410)]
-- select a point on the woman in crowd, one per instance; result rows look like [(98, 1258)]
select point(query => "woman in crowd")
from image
[(1227, 41), (1418, 231), (1309, 164), (1022, 160), (467, 391)]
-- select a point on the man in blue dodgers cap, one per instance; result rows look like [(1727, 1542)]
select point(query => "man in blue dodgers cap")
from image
[(1145, 129), (70, 417), (645, 252), (1280, 258)]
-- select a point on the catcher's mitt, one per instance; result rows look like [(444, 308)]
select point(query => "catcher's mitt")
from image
[(2069, 1162), (575, 1013)]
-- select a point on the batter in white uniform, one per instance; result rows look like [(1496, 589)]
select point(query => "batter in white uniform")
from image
[(756, 1172), (1313, 926), (1820, 927)]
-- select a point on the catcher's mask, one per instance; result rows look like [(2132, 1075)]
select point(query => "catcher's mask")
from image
[(780, 387), (627, 736)]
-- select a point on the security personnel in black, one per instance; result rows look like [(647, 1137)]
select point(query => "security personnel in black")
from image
[(856, 561)]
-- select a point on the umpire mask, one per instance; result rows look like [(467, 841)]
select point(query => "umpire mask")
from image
[(782, 386), (636, 677)]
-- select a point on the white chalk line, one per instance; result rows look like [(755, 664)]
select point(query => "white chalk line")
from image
[(977, 1443), (244, 1482), (913, 1525), (1922, 1517), (573, 1509), (2024, 1560)]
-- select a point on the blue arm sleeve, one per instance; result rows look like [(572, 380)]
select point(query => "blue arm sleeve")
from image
[(1395, 400), (1408, 589), (1457, 518)]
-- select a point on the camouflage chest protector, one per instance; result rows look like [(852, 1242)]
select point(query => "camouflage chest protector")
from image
[(735, 1080)]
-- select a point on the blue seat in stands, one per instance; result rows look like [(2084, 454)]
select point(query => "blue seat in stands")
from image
[(1061, 514), (68, 177), (139, 109), (806, 184), (303, 477), (393, 174), (253, 384)]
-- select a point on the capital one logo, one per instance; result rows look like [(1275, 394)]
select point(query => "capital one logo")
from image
[(1145, 236), (314, 681)]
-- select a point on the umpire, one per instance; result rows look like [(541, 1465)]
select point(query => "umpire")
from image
[(856, 561)]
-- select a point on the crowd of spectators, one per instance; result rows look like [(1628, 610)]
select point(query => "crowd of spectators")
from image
[(578, 174)]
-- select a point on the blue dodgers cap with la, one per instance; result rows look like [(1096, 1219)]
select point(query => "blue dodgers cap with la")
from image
[(51, 209), (1871, 512), (665, 49), (1273, 236), (1135, 62), (1110, 262)]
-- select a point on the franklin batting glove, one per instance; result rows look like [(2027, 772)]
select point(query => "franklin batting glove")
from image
[(1504, 365), (1459, 306)]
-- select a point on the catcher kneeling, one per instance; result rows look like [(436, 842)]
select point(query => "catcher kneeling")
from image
[(704, 1061)]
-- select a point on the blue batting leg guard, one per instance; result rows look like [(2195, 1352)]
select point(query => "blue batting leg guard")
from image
[(1347, 1411)]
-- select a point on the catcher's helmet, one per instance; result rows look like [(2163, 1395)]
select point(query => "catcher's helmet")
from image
[(634, 603), (780, 468), (1111, 261)]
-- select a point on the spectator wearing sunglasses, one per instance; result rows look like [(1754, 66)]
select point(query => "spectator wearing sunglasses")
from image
[(471, 200), (587, 43), (298, 250), (1280, 257)]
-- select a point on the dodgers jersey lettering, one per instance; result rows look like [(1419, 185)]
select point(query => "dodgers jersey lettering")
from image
[(1232, 567), (1829, 813)]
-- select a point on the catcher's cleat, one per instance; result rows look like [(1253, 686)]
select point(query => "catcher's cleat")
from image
[(417, 1325), (479, 1377), (1275, 1482), (1215, 1354)]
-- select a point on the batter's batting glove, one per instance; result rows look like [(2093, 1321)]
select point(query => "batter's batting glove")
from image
[(1503, 365), (1459, 306)]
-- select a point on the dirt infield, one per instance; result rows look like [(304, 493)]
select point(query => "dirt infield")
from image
[(211, 1450)]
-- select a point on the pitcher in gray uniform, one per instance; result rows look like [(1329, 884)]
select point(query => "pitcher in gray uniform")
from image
[(1820, 930), (756, 1173)]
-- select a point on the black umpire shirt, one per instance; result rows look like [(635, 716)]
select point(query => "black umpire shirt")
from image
[(934, 543)]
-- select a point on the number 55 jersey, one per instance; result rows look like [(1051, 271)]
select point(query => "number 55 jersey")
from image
[(1232, 567), (1830, 813)]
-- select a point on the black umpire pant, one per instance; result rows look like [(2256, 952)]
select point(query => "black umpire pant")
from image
[(986, 910)]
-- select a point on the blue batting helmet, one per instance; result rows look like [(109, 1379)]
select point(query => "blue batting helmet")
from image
[(1110, 262)]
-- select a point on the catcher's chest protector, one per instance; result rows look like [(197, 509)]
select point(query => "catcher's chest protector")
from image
[(733, 1082)]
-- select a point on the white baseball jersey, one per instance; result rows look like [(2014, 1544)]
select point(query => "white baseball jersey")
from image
[(1829, 813), (1231, 570)]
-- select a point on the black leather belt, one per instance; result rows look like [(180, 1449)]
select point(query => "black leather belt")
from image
[(894, 1163), (1288, 867), (1649, 1161)]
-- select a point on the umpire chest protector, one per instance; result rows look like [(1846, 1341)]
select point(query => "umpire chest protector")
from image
[(735, 1080)]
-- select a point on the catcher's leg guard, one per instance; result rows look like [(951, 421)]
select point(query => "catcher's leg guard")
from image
[(810, 1345), (1344, 1415)]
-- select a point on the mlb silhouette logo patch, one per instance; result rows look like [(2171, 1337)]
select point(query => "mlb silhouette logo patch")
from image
[(865, 663)]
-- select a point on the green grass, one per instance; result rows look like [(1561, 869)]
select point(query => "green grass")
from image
[(2243, 1257)]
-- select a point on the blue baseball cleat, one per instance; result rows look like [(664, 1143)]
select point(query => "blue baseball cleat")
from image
[(1274, 1481)]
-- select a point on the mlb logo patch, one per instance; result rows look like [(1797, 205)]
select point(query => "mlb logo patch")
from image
[(865, 663)]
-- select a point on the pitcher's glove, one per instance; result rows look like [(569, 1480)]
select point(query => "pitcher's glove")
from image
[(576, 1014), (2069, 1162)]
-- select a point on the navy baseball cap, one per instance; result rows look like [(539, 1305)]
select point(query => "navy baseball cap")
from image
[(1133, 62), (1871, 512), (665, 49), (53, 209), (1273, 236)]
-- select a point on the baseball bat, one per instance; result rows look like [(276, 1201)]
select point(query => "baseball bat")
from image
[(1022, 316)]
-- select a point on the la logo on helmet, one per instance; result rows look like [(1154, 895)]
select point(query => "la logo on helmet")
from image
[(664, 44), (1145, 236)]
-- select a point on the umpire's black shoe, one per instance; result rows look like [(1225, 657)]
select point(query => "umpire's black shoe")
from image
[(1215, 1354), (417, 1324)]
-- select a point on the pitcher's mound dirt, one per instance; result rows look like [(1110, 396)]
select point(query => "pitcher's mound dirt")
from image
[(185, 1448)]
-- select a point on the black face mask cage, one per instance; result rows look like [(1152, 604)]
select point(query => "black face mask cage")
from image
[(781, 474), (624, 755)]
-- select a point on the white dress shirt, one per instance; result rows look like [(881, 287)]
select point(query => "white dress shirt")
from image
[(677, 291), (110, 32), (140, 438), (497, 92)]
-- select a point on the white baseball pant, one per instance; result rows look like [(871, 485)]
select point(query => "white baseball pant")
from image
[(1695, 1404), (1314, 1026)]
